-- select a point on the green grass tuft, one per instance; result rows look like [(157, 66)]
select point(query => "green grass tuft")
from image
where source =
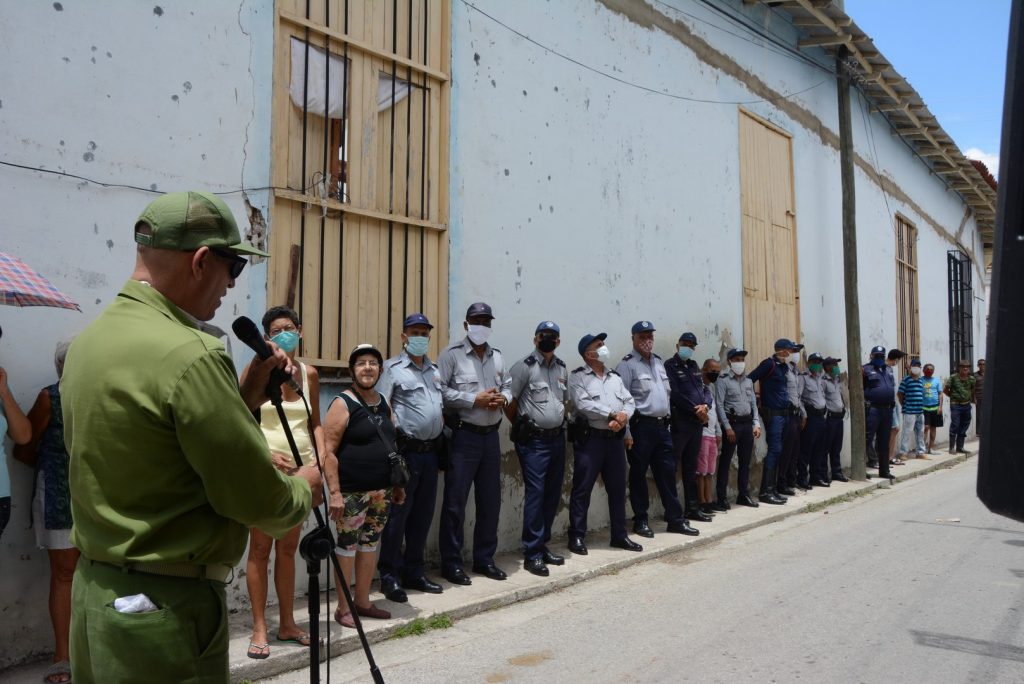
[(420, 626)]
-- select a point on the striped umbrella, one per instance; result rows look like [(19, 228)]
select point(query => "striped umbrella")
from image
[(22, 286)]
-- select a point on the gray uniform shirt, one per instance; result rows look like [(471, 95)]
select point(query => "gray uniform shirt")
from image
[(596, 398), (734, 394), (541, 389), (647, 381), (834, 401), (795, 388), (414, 394), (463, 375), (813, 394)]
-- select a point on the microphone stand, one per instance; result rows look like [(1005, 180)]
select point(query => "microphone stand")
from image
[(316, 546)]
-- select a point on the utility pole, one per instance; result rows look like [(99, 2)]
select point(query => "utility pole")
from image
[(858, 464)]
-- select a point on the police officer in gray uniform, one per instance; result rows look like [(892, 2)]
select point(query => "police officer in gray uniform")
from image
[(603, 407), (835, 405), (411, 386), (540, 390), (812, 467), (736, 405), (787, 479), (476, 387), (648, 438)]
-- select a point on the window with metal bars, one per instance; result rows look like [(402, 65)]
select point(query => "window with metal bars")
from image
[(908, 321), (961, 309), (358, 232)]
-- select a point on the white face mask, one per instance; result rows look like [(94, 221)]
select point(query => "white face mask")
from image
[(738, 367), (915, 371), (602, 354), (479, 334)]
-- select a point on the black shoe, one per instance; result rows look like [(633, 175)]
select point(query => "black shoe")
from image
[(552, 559), (682, 527), (492, 571), (457, 576), (821, 483), (424, 585), (696, 514), (839, 477), (788, 491), (745, 500), (626, 544), (577, 546), (873, 464), (800, 484), (721, 506), (536, 566), (771, 498), (707, 510), (643, 529), (392, 592)]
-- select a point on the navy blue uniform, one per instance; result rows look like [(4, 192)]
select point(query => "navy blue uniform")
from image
[(879, 393), (775, 407), (688, 391)]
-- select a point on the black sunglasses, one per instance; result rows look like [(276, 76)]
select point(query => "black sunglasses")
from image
[(237, 263)]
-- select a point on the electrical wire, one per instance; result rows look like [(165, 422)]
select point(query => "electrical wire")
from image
[(674, 96), (104, 184)]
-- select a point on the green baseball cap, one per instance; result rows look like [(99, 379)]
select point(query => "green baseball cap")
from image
[(186, 221)]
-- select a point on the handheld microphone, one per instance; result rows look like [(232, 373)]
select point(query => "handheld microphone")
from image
[(247, 332)]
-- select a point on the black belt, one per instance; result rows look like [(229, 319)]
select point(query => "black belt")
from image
[(660, 421), (606, 434), (477, 429), (816, 412), (543, 433), (407, 444), (960, 403), (836, 414), (880, 406), (734, 418)]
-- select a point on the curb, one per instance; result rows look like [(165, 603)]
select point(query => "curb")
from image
[(347, 641)]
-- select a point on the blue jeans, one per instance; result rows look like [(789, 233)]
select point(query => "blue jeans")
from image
[(775, 430), (913, 427), (543, 464)]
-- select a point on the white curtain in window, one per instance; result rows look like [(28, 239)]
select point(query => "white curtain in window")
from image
[(384, 91), (314, 84)]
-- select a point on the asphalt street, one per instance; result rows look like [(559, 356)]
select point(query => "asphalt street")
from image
[(918, 583)]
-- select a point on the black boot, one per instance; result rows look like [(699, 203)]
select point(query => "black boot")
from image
[(768, 494)]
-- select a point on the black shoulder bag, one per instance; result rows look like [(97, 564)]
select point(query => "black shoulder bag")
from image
[(400, 475)]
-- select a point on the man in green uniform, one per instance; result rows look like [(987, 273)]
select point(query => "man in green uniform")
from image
[(168, 466)]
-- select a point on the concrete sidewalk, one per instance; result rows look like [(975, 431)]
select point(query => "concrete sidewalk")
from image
[(485, 594)]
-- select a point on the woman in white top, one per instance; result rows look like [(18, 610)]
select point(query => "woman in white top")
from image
[(282, 327)]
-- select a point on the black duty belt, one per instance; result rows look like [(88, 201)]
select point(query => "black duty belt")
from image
[(543, 433), (477, 429), (836, 414), (606, 434), (816, 412), (408, 445), (880, 406), (660, 421), (734, 418)]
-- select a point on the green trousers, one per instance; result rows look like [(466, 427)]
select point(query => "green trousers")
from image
[(186, 640)]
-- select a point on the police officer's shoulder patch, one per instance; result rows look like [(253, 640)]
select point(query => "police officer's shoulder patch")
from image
[(655, 356), (579, 370), (560, 362), (612, 372), (628, 356), (530, 360)]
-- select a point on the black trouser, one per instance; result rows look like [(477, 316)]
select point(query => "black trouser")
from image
[(879, 424), (652, 448), (812, 450), (745, 444), (686, 440), (790, 452)]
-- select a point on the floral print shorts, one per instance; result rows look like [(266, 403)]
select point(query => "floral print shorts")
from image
[(365, 516)]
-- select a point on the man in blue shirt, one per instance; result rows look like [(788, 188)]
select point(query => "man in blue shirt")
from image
[(911, 396), (932, 405), (776, 409)]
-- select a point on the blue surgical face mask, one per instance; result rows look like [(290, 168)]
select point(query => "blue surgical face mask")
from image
[(685, 353), (417, 345), (878, 361), (287, 340)]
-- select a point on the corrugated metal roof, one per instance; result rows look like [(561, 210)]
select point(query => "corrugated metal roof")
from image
[(827, 26)]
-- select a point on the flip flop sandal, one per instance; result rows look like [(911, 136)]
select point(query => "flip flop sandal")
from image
[(258, 651), (300, 639), (58, 673)]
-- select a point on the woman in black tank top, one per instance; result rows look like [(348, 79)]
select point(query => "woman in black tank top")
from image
[(358, 476)]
